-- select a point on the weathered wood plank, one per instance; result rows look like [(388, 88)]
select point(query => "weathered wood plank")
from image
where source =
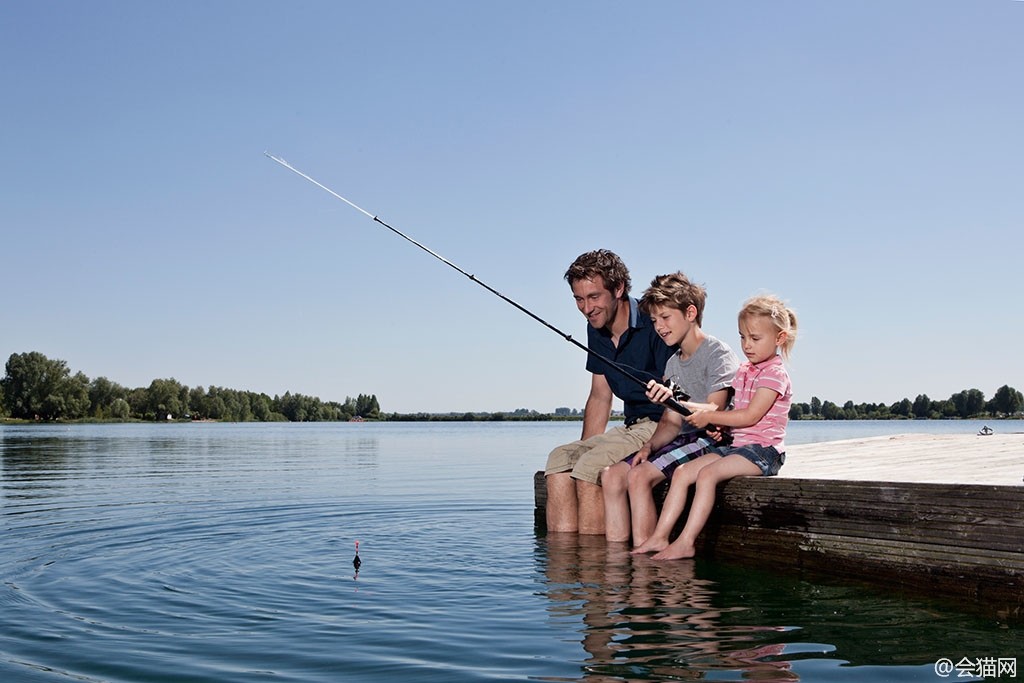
[(926, 512), (923, 458)]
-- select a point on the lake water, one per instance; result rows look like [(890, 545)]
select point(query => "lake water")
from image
[(223, 552)]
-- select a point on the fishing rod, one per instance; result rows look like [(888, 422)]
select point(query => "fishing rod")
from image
[(672, 403)]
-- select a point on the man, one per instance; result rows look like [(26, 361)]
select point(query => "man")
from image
[(617, 331)]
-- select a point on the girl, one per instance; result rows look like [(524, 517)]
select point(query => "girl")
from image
[(758, 422)]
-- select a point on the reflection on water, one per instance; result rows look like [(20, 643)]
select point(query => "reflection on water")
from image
[(641, 620), (647, 620)]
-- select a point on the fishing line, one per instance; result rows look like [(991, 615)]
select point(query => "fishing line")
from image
[(671, 403)]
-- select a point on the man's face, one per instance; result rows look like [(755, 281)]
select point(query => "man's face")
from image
[(595, 301)]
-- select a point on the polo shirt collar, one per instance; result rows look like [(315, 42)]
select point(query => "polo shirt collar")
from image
[(774, 360), (634, 313), (634, 318)]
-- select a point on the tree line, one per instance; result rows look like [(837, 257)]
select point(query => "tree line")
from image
[(969, 403), (39, 388)]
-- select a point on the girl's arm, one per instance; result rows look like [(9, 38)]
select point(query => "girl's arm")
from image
[(746, 417), (671, 421)]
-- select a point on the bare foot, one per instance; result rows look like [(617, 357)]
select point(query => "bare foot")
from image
[(682, 552), (651, 545)]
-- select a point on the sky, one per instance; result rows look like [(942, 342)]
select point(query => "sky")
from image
[(862, 160)]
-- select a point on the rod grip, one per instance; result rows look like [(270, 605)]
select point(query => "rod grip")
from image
[(676, 406)]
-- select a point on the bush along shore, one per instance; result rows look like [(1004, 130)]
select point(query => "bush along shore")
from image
[(39, 389)]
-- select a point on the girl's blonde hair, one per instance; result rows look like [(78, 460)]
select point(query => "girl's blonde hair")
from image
[(772, 307)]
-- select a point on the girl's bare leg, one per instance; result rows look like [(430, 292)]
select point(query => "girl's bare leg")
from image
[(708, 479), (675, 503)]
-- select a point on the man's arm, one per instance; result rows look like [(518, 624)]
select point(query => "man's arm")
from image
[(598, 408)]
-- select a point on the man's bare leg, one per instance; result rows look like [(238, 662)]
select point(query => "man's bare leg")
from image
[(561, 507), (591, 508)]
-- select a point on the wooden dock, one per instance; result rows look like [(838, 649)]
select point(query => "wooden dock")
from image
[(934, 515)]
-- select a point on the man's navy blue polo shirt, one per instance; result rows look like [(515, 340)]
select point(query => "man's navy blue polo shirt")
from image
[(640, 351)]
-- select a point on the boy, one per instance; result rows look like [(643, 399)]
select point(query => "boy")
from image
[(703, 368)]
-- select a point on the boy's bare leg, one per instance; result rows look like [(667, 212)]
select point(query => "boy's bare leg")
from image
[(616, 505), (644, 514), (591, 507), (675, 502), (561, 509), (708, 479)]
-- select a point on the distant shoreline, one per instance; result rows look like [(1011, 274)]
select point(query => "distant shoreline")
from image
[(480, 417)]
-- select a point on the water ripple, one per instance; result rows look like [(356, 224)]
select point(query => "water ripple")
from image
[(131, 556)]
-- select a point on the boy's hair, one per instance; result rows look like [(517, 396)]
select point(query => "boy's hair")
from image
[(772, 307), (675, 291), (600, 262)]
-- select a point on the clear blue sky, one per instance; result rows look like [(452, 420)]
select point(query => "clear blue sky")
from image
[(864, 160)]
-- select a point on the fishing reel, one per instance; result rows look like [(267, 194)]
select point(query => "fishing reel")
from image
[(677, 391)]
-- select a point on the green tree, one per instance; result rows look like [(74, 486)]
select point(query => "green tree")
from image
[(873, 411), (119, 409), (815, 406), (36, 387), (196, 402), (348, 408), (1007, 401), (902, 409), (922, 406), (262, 410), (102, 394), (367, 406), (138, 400), (975, 402), (214, 407), (943, 409), (164, 399), (830, 411)]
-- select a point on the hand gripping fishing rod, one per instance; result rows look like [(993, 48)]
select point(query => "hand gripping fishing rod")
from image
[(671, 402)]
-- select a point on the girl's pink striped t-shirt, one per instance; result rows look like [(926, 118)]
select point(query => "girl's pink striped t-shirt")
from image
[(771, 430)]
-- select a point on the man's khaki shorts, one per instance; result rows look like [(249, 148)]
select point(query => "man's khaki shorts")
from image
[(586, 459)]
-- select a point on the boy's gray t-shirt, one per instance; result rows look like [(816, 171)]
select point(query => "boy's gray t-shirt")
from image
[(709, 369)]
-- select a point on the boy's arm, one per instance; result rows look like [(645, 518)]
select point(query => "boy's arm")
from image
[(668, 428), (717, 400)]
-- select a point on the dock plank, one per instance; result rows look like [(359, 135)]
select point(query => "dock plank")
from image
[(922, 458)]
